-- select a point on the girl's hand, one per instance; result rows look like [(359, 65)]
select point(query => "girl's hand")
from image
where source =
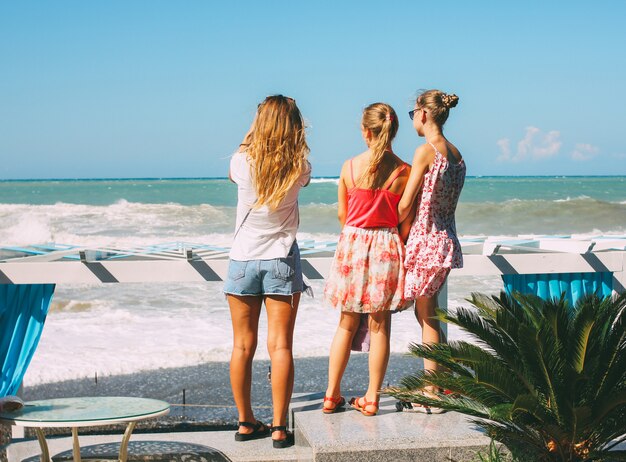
[(421, 162), (342, 195), (404, 228)]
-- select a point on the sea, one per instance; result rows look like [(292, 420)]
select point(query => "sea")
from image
[(125, 328)]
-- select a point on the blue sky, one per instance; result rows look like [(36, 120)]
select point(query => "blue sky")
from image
[(167, 89)]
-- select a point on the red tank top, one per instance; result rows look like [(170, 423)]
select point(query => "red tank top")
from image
[(373, 208)]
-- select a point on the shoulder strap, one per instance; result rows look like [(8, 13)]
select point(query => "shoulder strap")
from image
[(352, 173), (394, 176), (243, 221)]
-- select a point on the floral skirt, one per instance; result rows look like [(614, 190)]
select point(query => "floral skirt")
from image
[(424, 282), (429, 258), (367, 273)]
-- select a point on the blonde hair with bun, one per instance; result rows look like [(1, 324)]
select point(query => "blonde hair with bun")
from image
[(381, 120), (438, 104)]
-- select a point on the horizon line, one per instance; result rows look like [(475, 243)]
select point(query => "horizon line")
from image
[(323, 177)]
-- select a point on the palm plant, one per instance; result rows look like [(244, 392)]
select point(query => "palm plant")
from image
[(494, 454), (546, 379)]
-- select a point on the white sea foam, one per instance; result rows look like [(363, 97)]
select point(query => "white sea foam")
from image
[(126, 223), (324, 180), (577, 198), (122, 223), (126, 328)]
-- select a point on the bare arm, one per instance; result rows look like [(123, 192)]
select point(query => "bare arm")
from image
[(308, 181), (342, 197), (421, 162), (404, 228)]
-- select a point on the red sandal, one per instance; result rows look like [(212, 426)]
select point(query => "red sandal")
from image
[(354, 402), (339, 402)]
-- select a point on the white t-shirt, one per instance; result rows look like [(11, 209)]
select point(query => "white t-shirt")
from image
[(265, 234)]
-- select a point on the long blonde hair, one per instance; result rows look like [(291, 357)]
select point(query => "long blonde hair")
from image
[(277, 149), (382, 121)]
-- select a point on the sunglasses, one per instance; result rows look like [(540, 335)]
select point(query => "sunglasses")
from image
[(412, 113)]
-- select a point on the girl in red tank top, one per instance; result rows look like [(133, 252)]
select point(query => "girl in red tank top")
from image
[(367, 273)]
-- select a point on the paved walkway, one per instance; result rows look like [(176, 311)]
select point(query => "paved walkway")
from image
[(344, 436)]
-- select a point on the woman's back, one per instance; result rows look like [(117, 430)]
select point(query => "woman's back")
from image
[(263, 233), (440, 193), (374, 203)]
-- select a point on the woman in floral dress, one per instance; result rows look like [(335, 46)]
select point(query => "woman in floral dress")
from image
[(436, 181)]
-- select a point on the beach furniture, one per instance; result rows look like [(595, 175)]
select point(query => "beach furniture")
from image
[(84, 412)]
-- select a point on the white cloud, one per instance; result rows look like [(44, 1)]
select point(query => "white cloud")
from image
[(535, 145), (583, 152)]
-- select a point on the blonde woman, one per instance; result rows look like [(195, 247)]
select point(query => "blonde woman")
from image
[(264, 268), (432, 249), (367, 275)]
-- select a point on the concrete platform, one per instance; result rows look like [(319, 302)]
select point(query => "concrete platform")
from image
[(390, 435), (344, 436), (218, 446)]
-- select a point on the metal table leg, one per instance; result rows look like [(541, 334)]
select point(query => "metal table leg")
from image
[(75, 445), (125, 440), (45, 454)]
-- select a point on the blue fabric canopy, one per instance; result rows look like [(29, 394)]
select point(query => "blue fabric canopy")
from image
[(548, 286), (23, 310)]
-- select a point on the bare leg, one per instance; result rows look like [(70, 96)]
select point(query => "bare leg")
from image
[(340, 353), (380, 329), (244, 313), (431, 332), (281, 318)]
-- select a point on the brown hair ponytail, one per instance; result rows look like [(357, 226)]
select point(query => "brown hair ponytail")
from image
[(382, 121)]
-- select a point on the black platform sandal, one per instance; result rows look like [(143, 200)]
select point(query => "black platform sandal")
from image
[(285, 442), (259, 430)]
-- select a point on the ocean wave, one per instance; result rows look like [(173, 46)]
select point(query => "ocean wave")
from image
[(325, 180), (120, 223), (513, 217), (569, 199), (130, 224), (70, 306)]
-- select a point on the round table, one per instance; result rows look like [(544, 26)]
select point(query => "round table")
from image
[(84, 412)]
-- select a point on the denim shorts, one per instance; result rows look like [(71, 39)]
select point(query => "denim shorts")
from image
[(278, 276)]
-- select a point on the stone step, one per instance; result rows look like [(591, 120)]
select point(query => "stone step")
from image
[(390, 435)]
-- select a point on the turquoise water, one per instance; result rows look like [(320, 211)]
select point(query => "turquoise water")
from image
[(221, 192), (127, 211)]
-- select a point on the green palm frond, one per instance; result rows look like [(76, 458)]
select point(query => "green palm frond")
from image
[(544, 378), (581, 329), (457, 404), (441, 354), (612, 348), (468, 360), (520, 441), (485, 331), (488, 394)]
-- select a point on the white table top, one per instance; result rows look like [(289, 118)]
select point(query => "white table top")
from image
[(84, 412)]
